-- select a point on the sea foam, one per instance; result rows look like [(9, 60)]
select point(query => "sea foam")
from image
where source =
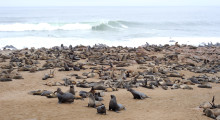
[(43, 27), (48, 42), (101, 25)]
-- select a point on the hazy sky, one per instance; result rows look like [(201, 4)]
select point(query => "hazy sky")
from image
[(109, 2)]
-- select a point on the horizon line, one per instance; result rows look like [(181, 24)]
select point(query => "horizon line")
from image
[(120, 6)]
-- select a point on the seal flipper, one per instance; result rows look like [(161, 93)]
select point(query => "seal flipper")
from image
[(117, 111)]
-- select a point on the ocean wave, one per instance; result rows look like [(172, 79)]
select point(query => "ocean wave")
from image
[(110, 25), (100, 26)]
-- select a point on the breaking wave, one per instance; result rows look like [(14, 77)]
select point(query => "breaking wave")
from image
[(111, 25), (99, 26)]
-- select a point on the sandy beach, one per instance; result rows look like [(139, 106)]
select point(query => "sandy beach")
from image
[(171, 104)]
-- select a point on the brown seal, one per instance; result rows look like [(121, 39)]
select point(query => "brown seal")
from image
[(113, 105), (137, 95)]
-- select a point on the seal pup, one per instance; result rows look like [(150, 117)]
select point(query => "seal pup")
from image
[(46, 76), (64, 97), (136, 94), (93, 102), (46, 93), (101, 110), (52, 95), (72, 90), (113, 105)]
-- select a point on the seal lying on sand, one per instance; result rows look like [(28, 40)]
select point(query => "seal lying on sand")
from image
[(83, 94), (52, 95), (205, 85), (212, 113), (137, 95), (64, 97), (37, 92), (97, 97), (46, 76), (5, 79), (101, 109), (46, 93), (113, 105), (210, 105), (213, 103)]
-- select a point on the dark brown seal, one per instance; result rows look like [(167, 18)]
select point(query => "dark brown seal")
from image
[(113, 105)]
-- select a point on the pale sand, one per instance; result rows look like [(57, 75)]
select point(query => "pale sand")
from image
[(17, 104)]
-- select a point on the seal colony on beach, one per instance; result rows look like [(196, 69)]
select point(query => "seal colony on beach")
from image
[(93, 73)]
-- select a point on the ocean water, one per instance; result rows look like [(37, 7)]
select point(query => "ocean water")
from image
[(126, 26)]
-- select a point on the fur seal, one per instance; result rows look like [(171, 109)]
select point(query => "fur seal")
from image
[(66, 67), (175, 86), (164, 87), (186, 87), (72, 90), (113, 105), (64, 97), (46, 93), (205, 85), (38, 92), (46, 76), (213, 103), (5, 79), (100, 94), (137, 95), (210, 105), (54, 84), (92, 90), (93, 102), (52, 95), (18, 77), (212, 113), (97, 97), (99, 87), (101, 109), (205, 105), (83, 94)]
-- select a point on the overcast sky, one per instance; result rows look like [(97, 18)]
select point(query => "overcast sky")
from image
[(109, 2)]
